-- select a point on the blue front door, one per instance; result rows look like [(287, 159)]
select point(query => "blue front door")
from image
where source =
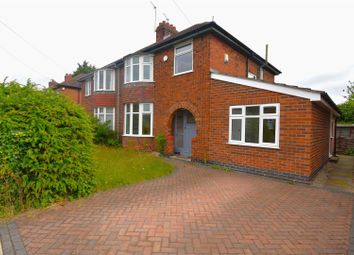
[(184, 131)]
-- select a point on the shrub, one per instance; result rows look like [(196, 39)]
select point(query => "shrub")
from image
[(103, 134), (45, 147), (349, 152), (161, 143)]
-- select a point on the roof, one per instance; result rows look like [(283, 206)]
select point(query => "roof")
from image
[(199, 29), (74, 83), (313, 95)]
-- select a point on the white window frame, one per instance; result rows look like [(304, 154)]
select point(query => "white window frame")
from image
[(129, 63), (109, 87), (141, 112), (262, 116), (182, 53), (261, 73), (96, 113), (88, 87), (252, 76)]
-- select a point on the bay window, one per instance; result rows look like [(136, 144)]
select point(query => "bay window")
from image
[(254, 125), (138, 69), (104, 80), (138, 119), (105, 114), (183, 58)]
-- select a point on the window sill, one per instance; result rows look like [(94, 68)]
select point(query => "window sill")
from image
[(178, 74), (276, 147), (100, 91), (141, 136)]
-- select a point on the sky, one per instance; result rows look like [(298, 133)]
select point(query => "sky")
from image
[(310, 41)]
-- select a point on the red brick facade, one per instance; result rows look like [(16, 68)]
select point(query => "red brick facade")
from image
[(304, 125)]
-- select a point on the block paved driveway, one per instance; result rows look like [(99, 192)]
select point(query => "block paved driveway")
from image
[(196, 210)]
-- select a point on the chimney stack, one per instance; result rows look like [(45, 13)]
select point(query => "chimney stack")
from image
[(68, 77), (165, 30)]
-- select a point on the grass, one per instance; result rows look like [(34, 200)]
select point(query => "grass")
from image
[(115, 167)]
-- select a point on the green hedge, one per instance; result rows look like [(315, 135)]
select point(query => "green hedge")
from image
[(45, 148)]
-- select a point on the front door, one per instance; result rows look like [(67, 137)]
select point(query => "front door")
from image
[(184, 131)]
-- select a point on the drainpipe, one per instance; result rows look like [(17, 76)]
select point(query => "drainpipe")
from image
[(118, 101), (335, 139)]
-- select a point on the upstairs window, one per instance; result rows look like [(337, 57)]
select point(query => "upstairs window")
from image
[(87, 87), (104, 80), (261, 73), (138, 119), (138, 69), (252, 76), (254, 125), (105, 114), (184, 58)]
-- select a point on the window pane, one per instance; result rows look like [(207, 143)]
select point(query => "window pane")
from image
[(109, 110), (128, 74), (101, 110), (135, 107), (135, 124), (109, 118), (252, 130), (135, 60), (146, 107), (183, 48), (128, 107), (135, 72), (100, 83), (236, 130), (252, 110), (147, 59), (127, 124), (269, 130), (108, 79), (183, 63), (146, 124), (101, 118), (269, 109), (146, 72), (237, 111)]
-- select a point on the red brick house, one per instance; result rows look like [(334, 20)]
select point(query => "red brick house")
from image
[(216, 101), (70, 87)]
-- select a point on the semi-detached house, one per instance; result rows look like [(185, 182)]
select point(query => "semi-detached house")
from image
[(216, 101)]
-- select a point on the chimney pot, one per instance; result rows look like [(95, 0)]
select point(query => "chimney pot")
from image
[(68, 77), (165, 30)]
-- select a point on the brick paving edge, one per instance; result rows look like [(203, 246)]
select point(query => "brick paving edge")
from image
[(11, 240)]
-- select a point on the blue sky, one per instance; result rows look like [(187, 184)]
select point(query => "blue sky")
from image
[(311, 42)]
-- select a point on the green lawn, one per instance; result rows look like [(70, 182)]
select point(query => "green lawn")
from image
[(115, 167)]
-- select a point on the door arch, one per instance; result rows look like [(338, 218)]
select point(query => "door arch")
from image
[(184, 129)]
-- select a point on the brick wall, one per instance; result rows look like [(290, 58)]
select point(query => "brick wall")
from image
[(295, 130), (345, 138), (238, 63), (320, 136), (71, 93)]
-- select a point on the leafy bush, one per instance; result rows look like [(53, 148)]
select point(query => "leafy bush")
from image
[(104, 135), (161, 143), (349, 152), (45, 147)]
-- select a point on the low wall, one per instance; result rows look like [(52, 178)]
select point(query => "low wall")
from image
[(345, 137)]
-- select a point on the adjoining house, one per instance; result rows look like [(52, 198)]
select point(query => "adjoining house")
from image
[(70, 87), (216, 101)]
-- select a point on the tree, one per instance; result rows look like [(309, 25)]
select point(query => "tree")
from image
[(347, 108), (45, 147), (84, 68)]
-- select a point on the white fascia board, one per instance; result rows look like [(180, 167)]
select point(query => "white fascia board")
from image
[(313, 96)]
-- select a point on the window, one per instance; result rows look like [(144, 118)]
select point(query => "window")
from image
[(104, 80), (184, 58), (261, 73), (87, 87), (138, 119), (139, 69), (252, 76), (105, 114), (255, 125)]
